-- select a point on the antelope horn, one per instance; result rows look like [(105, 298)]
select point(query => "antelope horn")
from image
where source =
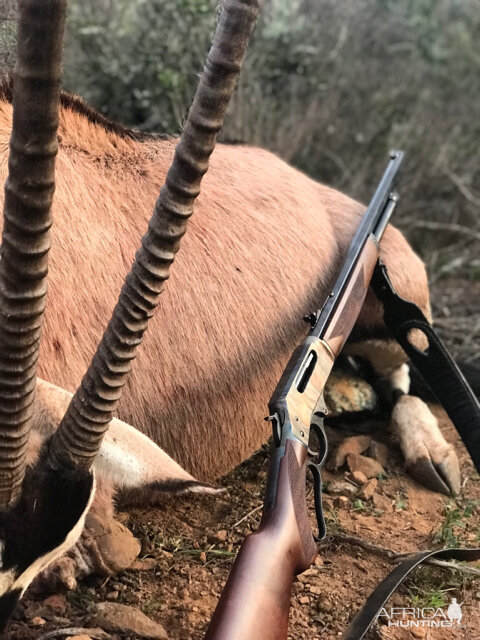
[(26, 237), (78, 438)]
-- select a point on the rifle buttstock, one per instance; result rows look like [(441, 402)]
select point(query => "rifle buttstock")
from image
[(255, 602)]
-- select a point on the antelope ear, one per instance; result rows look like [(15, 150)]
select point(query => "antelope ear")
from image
[(127, 458), (130, 460)]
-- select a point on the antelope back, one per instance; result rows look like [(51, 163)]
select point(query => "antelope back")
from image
[(263, 247)]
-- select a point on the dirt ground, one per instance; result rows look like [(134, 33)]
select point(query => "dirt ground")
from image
[(189, 543), (188, 584)]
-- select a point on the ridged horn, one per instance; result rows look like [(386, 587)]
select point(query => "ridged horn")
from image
[(27, 220), (80, 433)]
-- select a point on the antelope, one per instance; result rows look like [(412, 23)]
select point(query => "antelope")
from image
[(262, 234)]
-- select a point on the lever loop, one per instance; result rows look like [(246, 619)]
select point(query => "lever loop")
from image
[(314, 464)]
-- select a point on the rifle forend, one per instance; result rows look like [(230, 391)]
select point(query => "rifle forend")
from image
[(255, 602)]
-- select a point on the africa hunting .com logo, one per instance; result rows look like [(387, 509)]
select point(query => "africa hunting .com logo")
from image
[(428, 617)]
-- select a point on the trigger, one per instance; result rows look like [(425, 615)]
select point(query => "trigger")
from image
[(317, 442)]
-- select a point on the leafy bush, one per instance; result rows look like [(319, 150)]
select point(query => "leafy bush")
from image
[(7, 33), (330, 86)]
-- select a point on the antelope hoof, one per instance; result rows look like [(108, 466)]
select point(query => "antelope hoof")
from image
[(105, 548), (429, 458), (443, 477)]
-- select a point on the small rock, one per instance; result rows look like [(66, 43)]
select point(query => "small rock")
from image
[(147, 564), (368, 489), (371, 468), (340, 487), (355, 444), (359, 477), (304, 600), (203, 557), (382, 503), (99, 634), (379, 452), (112, 595), (57, 603), (341, 502), (37, 621), (220, 536), (128, 621), (418, 633), (349, 393)]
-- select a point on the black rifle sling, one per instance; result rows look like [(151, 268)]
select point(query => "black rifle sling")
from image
[(445, 379), (367, 615), (435, 364)]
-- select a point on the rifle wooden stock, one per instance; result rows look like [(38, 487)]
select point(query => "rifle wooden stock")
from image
[(255, 602)]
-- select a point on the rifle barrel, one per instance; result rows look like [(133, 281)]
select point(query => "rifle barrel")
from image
[(374, 222)]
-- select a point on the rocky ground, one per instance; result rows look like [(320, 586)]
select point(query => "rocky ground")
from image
[(372, 507)]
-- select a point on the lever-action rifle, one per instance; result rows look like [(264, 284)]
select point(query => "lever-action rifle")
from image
[(255, 602)]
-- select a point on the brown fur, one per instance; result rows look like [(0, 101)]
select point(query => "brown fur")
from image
[(262, 249)]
